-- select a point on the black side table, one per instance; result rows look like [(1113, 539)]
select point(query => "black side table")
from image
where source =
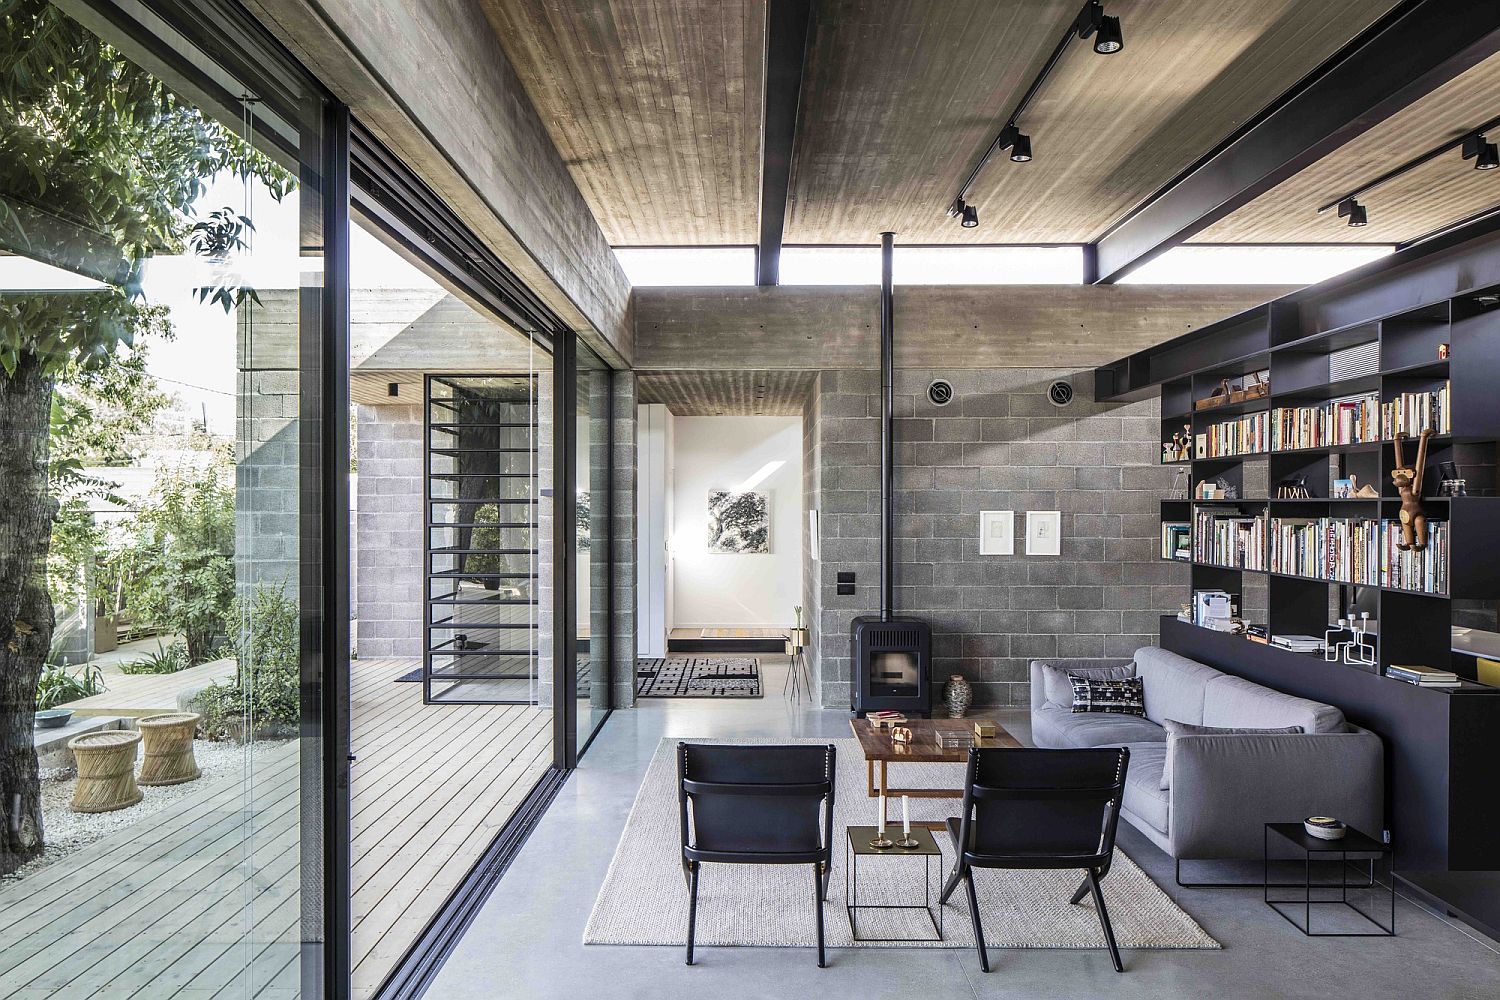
[(857, 845), (1353, 846)]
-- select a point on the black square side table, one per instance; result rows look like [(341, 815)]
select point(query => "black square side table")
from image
[(1352, 846), (857, 845)]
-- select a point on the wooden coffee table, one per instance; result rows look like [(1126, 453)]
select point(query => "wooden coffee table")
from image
[(923, 749)]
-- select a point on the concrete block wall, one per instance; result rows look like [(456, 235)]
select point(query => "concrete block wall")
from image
[(1000, 445), (623, 538), (267, 479), (389, 548)]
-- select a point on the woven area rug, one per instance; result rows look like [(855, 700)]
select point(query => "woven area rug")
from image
[(644, 900), (698, 677)]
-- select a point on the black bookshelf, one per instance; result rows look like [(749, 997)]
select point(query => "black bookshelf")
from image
[(1377, 331)]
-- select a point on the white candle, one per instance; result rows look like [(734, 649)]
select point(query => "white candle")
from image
[(905, 818), (882, 814)]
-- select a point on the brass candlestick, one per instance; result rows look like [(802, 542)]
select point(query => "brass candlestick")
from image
[(907, 842), (881, 841)]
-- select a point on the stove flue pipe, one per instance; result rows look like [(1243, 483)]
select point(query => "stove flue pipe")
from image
[(887, 430)]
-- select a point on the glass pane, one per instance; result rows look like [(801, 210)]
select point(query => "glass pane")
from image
[(160, 280), (592, 467), (451, 724)]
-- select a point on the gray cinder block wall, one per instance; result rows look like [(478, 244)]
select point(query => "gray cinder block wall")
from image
[(389, 551), (1000, 445), (622, 537)]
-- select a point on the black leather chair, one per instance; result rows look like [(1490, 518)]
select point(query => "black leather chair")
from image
[(1039, 809), (758, 805)]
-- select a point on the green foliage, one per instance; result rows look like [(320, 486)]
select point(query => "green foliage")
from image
[(166, 660), (58, 685), (100, 165), (265, 693), (181, 564)]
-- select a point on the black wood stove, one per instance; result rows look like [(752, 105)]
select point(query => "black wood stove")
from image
[(890, 657)]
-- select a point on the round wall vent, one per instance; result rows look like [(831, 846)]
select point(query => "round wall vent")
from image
[(940, 392), (1060, 393)]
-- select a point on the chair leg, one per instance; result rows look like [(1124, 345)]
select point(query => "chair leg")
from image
[(1109, 932), (1083, 890), (687, 877), (692, 908), (954, 877), (984, 958), (818, 910), (827, 879)]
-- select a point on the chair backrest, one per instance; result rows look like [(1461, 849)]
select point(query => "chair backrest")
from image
[(756, 801), (1038, 804)]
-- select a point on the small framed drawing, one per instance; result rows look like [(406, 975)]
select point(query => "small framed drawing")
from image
[(812, 535), (1043, 532), (997, 532)]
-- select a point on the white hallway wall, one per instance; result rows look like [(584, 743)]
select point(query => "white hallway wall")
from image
[(732, 453)]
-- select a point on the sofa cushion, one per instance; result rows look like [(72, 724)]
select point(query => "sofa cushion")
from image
[(1175, 729), (1236, 702), (1174, 685), (1059, 686), (1121, 697), (1144, 795), (1061, 728)]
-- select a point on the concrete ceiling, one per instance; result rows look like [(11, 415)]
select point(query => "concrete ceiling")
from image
[(656, 107), (727, 393)]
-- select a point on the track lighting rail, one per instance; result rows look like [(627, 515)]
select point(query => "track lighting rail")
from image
[(1473, 144)]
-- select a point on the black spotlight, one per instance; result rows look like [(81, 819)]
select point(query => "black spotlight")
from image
[(1020, 150), (1484, 154), (1354, 212), (1107, 39), (970, 217)]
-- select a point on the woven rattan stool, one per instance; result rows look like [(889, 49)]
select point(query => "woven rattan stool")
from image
[(106, 770), (167, 748)]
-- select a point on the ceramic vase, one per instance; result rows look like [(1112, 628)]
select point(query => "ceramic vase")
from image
[(958, 696)]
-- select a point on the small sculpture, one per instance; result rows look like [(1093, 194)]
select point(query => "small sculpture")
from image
[(900, 734), (1408, 482)]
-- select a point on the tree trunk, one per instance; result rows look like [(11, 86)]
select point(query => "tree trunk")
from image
[(26, 515)]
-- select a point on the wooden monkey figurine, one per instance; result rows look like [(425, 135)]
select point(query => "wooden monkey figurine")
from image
[(1408, 482)]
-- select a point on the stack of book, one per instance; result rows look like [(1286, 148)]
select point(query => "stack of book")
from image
[(1246, 435), (885, 719), (1343, 549), (1352, 420), (1298, 643), (1413, 412), (1237, 541), (1425, 571), (1427, 677), (1176, 540)]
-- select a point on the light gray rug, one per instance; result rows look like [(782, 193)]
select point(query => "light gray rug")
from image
[(644, 900)]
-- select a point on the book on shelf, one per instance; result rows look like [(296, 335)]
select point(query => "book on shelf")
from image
[(1423, 676), (1351, 420), (1425, 571), (1411, 413), (1229, 539), (1299, 643), (1360, 551), (1246, 435), (1176, 540)]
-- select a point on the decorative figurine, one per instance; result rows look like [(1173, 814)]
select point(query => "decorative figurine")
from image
[(900, 735), (1408, 482), (1451, 481)]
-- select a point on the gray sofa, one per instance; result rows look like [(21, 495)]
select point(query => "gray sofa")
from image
[(1223, 787)]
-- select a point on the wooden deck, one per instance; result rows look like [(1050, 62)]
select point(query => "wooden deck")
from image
[(135, 695), (203, 900)]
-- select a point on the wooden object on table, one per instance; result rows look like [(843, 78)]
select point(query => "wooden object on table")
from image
[(986, 729), (1408, 480), (880, 751), (106, 771), (167, 748)]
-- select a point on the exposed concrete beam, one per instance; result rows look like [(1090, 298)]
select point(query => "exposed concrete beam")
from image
[(431, 80), (953, 326), (1411, 52)]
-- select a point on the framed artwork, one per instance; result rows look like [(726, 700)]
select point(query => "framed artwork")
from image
[(739, 523), (812, 535), (1343, 489), (997, 532), (1043, 532)]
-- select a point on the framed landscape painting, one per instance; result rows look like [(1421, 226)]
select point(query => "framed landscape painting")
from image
[(739, 523)]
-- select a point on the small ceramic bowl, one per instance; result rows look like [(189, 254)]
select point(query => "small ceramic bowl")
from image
[(53, 718)]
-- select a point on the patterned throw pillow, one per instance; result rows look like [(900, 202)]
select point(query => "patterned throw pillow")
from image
[(1175, 729), (1124, 696)]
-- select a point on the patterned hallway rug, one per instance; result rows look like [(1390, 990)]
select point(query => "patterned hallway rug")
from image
[(697, 677), (643, 900)]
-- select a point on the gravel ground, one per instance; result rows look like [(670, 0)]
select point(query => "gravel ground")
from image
[(67, 831)]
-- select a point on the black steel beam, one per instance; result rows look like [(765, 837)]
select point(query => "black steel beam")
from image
[(1413, 50), (787, 33)]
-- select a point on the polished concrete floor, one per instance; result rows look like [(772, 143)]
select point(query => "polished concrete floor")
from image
[(527, 941)]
